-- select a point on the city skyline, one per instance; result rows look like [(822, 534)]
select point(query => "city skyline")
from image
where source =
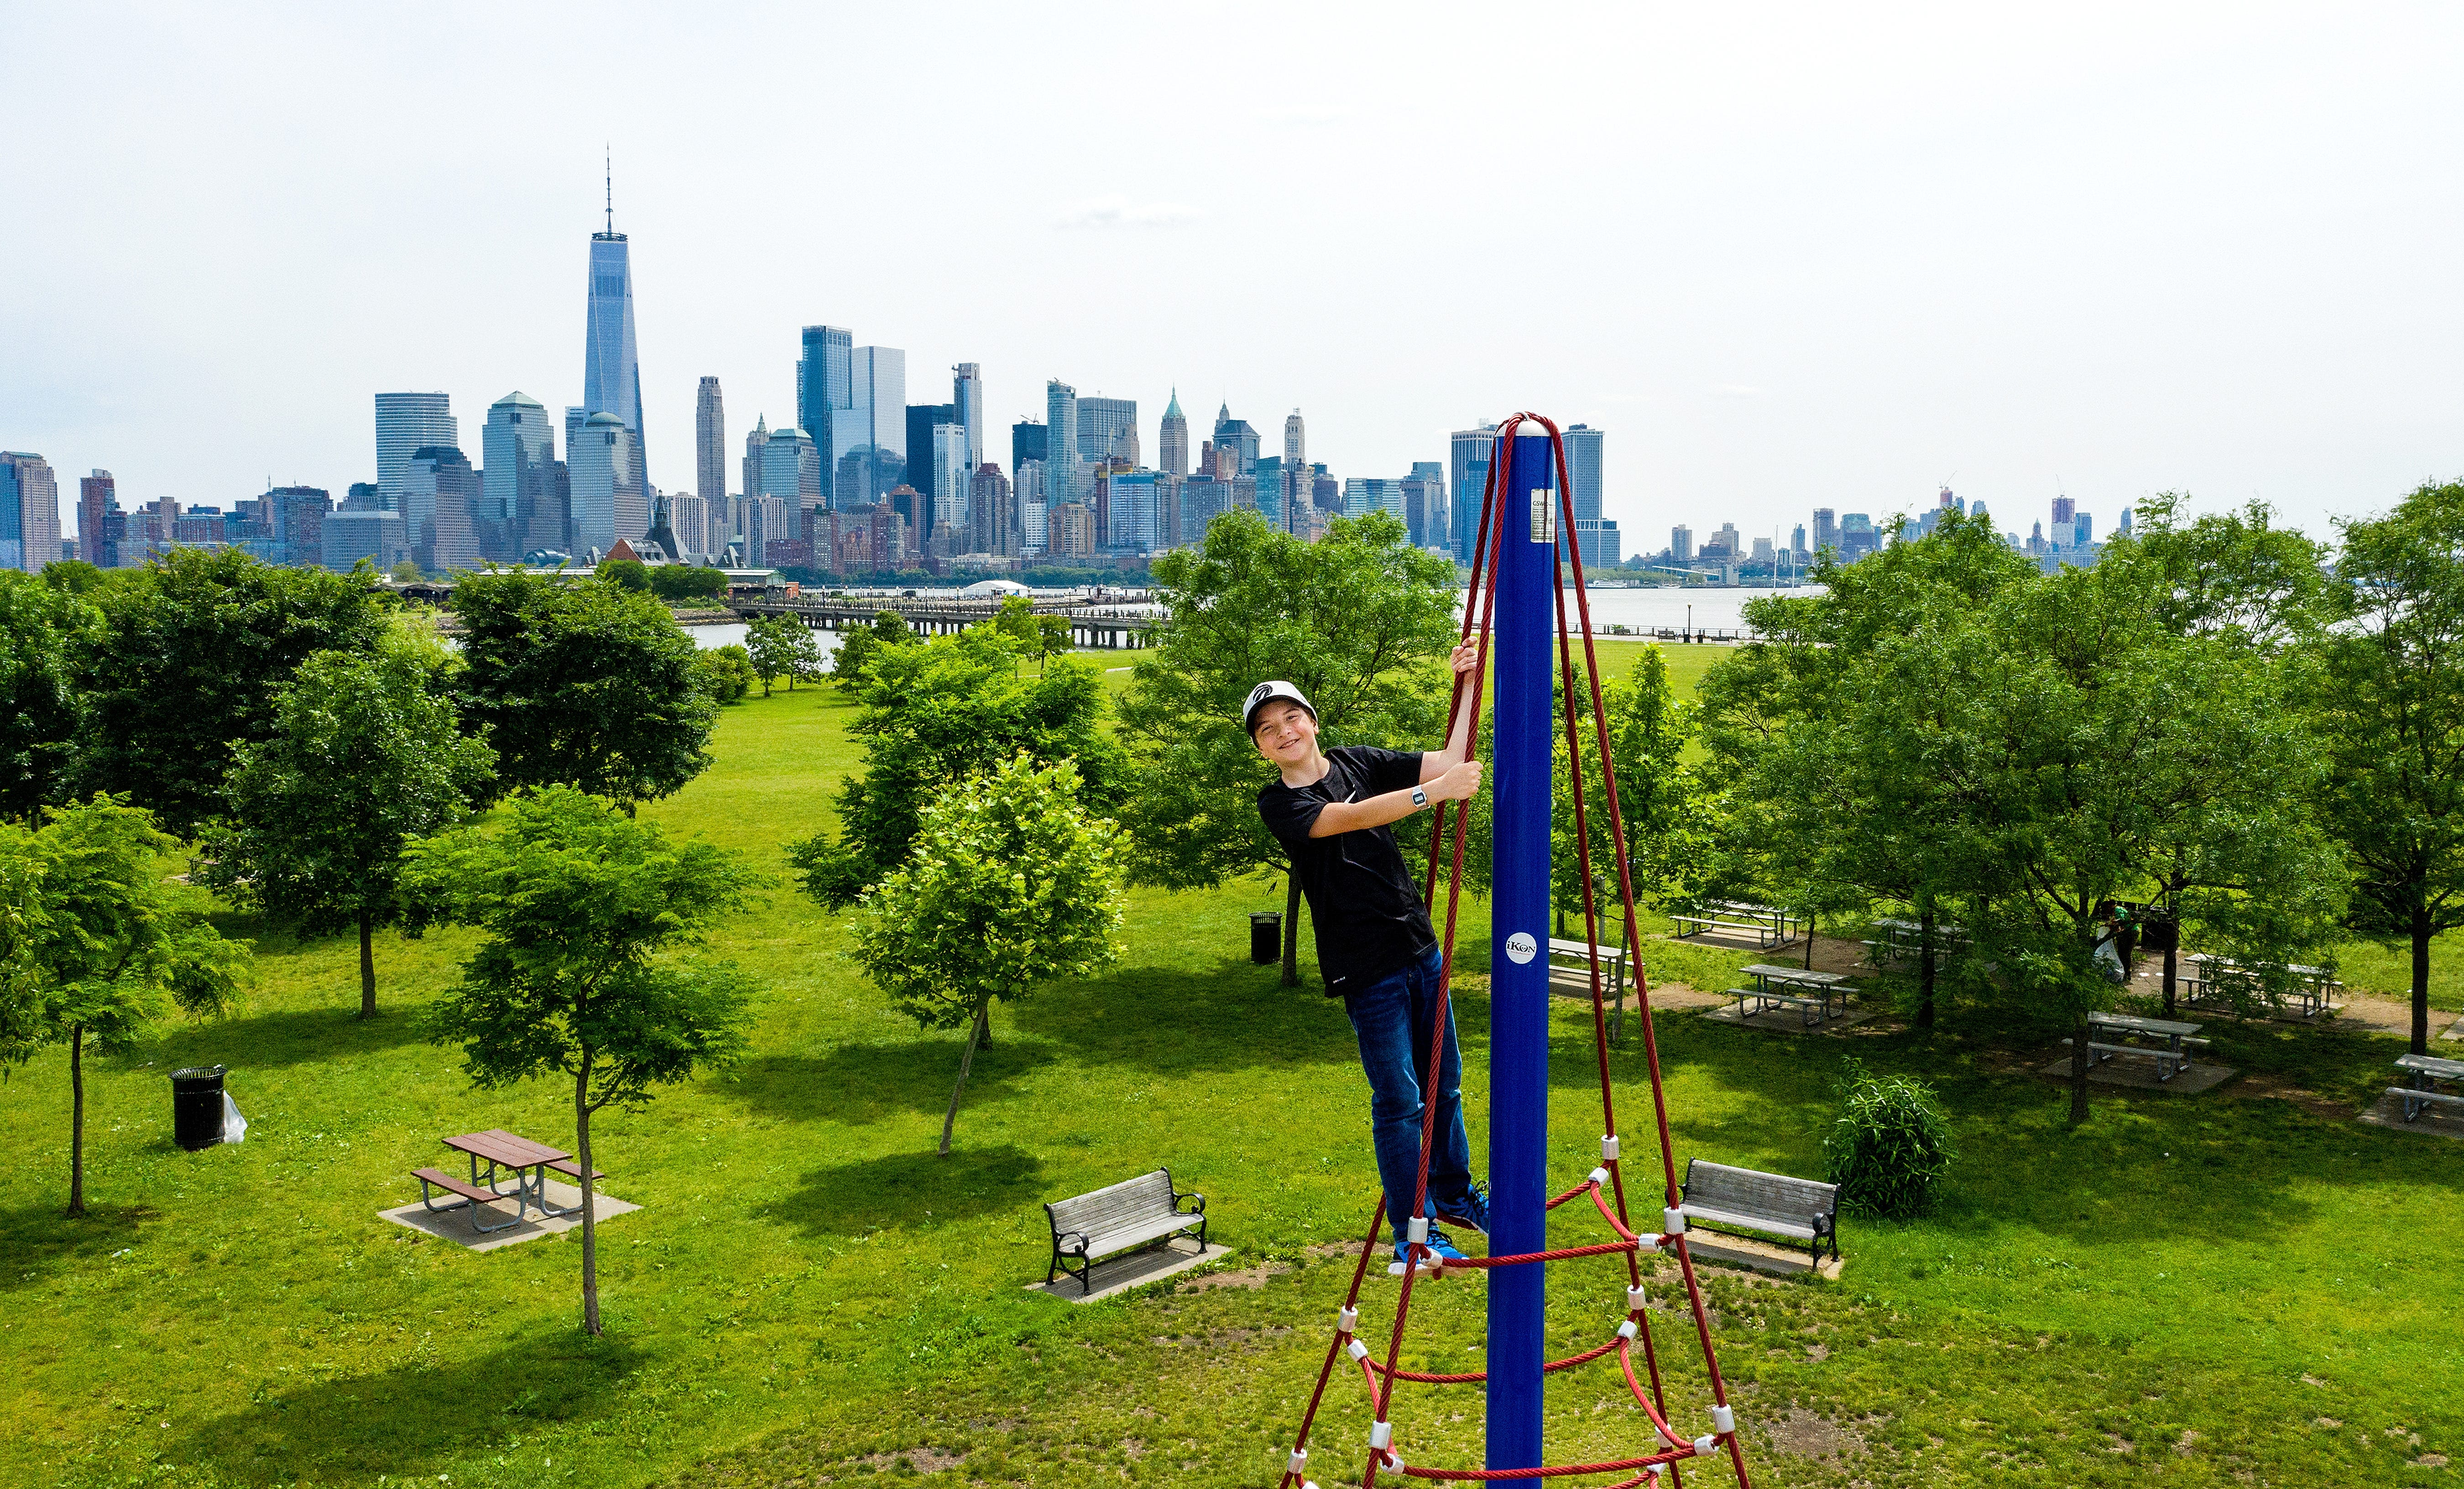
[(2110, 253)]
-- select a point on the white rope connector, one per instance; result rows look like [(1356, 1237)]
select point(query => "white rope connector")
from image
[(1626, 1329), (1607, 1147), (1357, 1350), (1299, 1460), (1347, 1320), (1649, 1241), (1416, 1230), (1598, 1175), (1380, 1434), (1673, 1221), (1634, 1302), (1723, 1420), (1706, 1445)]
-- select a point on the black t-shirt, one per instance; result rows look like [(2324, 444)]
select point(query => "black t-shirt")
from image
[(1362, 902)]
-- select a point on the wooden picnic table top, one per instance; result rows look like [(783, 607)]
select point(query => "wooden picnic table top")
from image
[(1563, 948), (1749, 907), (2135, 1022), (2209, 959), (1940, 927), (500, 1147), (2432, 1065), (1820, 979)]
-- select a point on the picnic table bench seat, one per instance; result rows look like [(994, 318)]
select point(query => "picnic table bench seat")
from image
[(2416, 1101), (1745, 1199), (472, 1197), (1117, 1218), (572, 1170), (1813, 1006), (1765, 934)]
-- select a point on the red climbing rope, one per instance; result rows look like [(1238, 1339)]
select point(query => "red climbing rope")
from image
[(1608, 1180)]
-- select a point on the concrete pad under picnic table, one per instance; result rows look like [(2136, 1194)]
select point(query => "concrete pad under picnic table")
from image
[(1115, 1275), (2437, 1121), (454, 1225), (1790, 1021), (2140, 1075)]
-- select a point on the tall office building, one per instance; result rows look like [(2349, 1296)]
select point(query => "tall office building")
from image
[(609, 499), (689, 516), (1680, 544), (967, 394), (407, 422), (868, 437), (755, 443), (1857, 536), (1236, 436), (1136, 515), (1424, 505), (1295, 442), (992, 513), (825, 387), (952, 476), (1585, 466), (1826, 530), (923, 471), (1171, 443), (1028, 489), (1108, 429), (30, 512), (98, 500), (294, 519), (1468, 454), (709, 442), (791, 469), (611, 369), (1026, 441), (438, 493), (1062, 476), (518, 476)]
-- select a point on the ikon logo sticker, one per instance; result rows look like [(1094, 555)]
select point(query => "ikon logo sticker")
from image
[(1519, 948)]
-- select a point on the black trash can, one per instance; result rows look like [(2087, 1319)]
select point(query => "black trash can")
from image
[(197, 1107), (1265, 936)]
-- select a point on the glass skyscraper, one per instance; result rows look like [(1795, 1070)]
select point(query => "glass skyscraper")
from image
[(518, 478), (612, 367), (824, 385), (1585, 464), (1108, 429), (407, 422), (1061, 475), (610, 500), (30, 512)]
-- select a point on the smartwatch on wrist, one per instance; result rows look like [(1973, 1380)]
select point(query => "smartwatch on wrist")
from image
[(1420, 798)]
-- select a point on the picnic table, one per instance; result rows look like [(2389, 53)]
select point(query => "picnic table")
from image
[(1768, 925), (1899, 940), (508, 1156), (2312, 992), (1570, 972), (1775, 988), (2430, 1075), (2171, 1057)]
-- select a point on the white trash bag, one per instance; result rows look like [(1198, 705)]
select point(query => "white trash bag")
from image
[(235, 1125)]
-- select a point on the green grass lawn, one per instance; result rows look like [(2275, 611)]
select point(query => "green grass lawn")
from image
[(2220, 1289)]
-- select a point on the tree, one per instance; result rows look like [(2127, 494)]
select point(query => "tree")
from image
[(1360, 622), (44, 629), (861, 644), (366, 757), (630, 574), (580, 684), (780, 646), (1017, 621), (407, 573), (186, 661), (98, 941), (942, 713), (724, 672), (675, 581), (1012, 886), (1668, 817), (2389, 701), (583, 910), (1052, 639)]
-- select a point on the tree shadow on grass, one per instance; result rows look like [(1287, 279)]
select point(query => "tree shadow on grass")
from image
[(1228, 1016), (410, 1419), (911, 1191), (292, 1037), (39, 1240), (862, 1084)]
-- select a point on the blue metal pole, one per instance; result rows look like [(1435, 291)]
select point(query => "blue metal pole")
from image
[(1518, 1010)]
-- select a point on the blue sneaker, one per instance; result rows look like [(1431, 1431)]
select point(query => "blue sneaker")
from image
[(1439, 1242), (1470, 1210)]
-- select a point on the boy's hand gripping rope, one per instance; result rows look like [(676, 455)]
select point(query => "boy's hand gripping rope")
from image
[(1603, 1182)]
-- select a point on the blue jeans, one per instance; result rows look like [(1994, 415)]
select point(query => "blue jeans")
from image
[(1393, 1017)]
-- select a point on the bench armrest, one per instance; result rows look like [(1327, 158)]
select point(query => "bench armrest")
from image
[(1177, 1200), (1060, 1236)]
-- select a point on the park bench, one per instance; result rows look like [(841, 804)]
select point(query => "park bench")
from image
[(1741, 1200), (472, 1196), (1133, 1213)]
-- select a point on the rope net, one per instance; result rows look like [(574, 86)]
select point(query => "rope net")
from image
[(1605, 1186)]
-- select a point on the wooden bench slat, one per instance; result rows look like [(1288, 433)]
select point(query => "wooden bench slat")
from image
[(573, 1170), (1777, 1224), (462, 1187)]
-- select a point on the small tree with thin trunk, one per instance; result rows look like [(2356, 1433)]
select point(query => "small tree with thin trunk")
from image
[(98, 942), (366, 757), (583, 910), (1011, 886), (782, 646)]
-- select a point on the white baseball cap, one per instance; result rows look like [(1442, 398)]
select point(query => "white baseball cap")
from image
[(1267, 692)]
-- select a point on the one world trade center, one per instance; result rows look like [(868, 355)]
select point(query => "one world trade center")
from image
[(611, 371)]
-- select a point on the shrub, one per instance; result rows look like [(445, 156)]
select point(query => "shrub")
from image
[(725, 673), (1890, 1144)]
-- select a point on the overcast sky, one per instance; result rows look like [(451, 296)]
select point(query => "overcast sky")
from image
[(1786, 256)]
